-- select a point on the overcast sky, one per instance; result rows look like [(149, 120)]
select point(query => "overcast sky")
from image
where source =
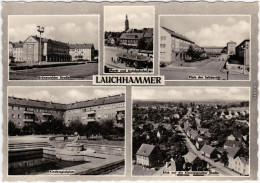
[(138, 16), (190, 93), (64, 95), (68, 29), (210, 30)]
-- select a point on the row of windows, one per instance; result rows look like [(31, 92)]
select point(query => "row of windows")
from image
[(18, 116), (162, 45), (163, 38), (112, 106), (31, 109), (162, 54)]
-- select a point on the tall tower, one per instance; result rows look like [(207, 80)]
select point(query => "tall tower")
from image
[(126, 24)]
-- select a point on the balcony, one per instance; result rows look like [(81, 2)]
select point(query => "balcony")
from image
[(46, 114), (28, 120), (120, 116), (28, 112), (91, 119), (91, 112)]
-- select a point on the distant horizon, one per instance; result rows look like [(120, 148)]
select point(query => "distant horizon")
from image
[(176, 100), (191, 93)]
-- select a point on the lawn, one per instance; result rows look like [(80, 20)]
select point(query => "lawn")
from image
[(79, 72)]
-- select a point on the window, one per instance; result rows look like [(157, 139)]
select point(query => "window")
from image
[(163, 38), (162, 54), (162, 45), (13, 116), (19, 116)]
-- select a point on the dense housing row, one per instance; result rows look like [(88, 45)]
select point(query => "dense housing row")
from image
[(24, 112)]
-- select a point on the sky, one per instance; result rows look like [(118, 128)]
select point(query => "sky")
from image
[(190, 93), (209, 30), (139, 17), (64, 95), (68, 29)]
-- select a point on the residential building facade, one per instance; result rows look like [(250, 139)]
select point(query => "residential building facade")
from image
[(24, 112), (173, 46), (146, 155), (243, 52), (51, 50), (16, 51), (112, 107), (231, 48), (214, 50), (81, 52)]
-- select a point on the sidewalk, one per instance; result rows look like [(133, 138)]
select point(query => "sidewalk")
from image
[(187, 65)]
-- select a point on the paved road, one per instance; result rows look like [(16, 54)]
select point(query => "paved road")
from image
[(211, 68), (79, 72), (112, 51), (217, 166)]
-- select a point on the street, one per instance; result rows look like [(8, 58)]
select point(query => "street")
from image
[(217, 166), (80, 72), (211, 68)]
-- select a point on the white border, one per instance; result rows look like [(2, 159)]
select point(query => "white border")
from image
[(130, 73), (173, 15), (50, 175), (71, 15), (195, 177)]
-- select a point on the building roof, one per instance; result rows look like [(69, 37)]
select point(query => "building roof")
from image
[(194, 133), (96, 102), (190, 157), (35, 103), (148, 33), (167, 126), (17, 44), (207, 149), (246, 40), (46, 40), (232, 143), (50, 105), (174, 34), (81, 46), (244, 160), (145, 150), (231, 42), (233, 151), (131, 35), (203, 130)]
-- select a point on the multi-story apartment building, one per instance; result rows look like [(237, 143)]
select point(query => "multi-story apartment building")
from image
[(83, 52), (25, 111), (51, 50), (173, 46), (231, 48), (243, 53), (130, 39), (16, 51)]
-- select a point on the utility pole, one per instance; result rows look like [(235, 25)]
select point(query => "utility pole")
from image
[(40, 30)]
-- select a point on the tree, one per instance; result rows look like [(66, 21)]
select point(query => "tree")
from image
[(12, 130), (77, 126), (224, 158), (141, 44)]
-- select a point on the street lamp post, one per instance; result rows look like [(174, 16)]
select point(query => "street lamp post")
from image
[(40, 30)]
